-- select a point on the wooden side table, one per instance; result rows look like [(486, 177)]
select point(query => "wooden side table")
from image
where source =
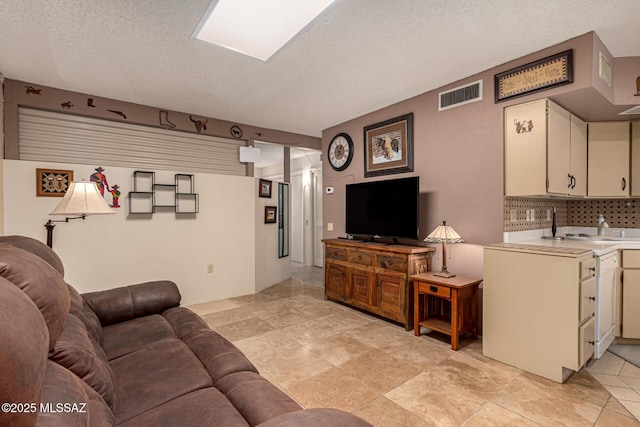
[(447, 305)]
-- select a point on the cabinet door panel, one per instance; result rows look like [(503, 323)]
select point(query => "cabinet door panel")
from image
[(630, 303), (578, 157), (361, 288), (336, 280), (558, 150), (391, 294), (525, 151), (635, 158), (608, 164), (587, 336)]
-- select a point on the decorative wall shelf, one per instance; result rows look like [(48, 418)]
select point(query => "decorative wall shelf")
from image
[(149, 197)]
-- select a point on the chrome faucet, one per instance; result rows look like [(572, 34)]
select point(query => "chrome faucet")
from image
[(602, 224)]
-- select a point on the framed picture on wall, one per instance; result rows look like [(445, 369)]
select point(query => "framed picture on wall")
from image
[(52, 182), (388, 146), (265, 188), (270, 214)]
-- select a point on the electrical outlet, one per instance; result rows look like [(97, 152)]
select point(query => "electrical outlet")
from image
[(513, 215), (210, 268), (329, 226), (528, 217), (548, 214), (533, 214)]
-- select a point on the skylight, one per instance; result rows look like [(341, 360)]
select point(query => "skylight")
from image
[(258, 28)]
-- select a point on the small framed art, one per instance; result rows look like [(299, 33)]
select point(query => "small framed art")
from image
[(265, 188), (52, 182), (270, 214)]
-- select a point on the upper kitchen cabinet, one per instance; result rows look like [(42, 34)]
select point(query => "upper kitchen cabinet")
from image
[(635, 159), (608, 166), (545, 150)]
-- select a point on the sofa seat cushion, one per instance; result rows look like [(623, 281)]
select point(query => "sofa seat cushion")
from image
[(218, 355), (84, 407), (154, 375), (206, 407), (126, 337), (255, 398)]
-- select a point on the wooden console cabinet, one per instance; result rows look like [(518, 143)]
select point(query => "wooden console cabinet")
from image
[(374, 276)]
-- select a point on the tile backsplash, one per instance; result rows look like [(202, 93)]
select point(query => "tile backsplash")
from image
[(619, 213)]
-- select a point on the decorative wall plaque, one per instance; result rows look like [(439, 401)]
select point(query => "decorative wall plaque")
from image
[(53, 183), (539, 75)]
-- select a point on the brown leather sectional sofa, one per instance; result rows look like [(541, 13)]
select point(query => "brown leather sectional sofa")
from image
[(128, 356)]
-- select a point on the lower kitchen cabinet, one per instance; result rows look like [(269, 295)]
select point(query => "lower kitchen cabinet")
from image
[(539, 308), (630, 294), (374, 277)]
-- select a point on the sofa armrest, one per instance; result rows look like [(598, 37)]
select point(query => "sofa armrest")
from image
[(129, 302)]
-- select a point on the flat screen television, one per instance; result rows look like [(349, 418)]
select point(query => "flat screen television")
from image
[(384, 208)]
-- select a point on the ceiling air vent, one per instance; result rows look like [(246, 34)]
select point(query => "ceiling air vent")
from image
[(460, 95)]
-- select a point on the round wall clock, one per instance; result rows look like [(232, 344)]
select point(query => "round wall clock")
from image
[(340, 151)]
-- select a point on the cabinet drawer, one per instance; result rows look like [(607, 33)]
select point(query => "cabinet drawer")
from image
[(392, 263), (431, 289), (587, 299), (363, 258), (337, 253), (588, 269), (587, 336), (630, 259)]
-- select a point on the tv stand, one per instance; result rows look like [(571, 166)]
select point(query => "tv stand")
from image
[(374, 277)]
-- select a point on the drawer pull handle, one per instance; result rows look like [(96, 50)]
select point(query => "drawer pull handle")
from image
[(592, 342), (433, 288), (592, 298), (592, 269)]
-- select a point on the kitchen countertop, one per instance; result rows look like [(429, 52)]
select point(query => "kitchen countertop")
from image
[(534, 239)]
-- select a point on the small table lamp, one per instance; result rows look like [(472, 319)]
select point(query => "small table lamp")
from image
[(444, 234), (81, 200)]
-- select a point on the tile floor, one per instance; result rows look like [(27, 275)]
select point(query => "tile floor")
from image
[(327, 355)]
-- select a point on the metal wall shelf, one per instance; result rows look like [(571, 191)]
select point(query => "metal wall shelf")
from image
[(148, 196)]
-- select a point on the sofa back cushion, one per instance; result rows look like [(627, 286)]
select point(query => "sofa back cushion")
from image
[(41, 282), (23, 353), (83, 356), (80, 309), (84, 407), (35, 247)]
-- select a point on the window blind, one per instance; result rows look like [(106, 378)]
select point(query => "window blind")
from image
[(67, 138)]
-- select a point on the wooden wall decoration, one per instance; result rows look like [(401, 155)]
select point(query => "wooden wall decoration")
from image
[(52, 182)]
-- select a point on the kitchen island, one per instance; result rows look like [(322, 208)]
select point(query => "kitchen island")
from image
[(544, 310)]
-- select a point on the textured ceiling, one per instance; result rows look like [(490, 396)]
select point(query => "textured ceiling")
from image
[(357, 57)]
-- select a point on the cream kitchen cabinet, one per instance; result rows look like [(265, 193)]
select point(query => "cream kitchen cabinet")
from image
[(630, 294), (545, 150), (608, 165), (635, 159), (539, 307)]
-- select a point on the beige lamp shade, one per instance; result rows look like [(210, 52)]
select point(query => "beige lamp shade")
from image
[(444, 234), (82, 198)]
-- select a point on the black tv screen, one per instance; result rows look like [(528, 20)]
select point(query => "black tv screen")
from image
[(384, 208)]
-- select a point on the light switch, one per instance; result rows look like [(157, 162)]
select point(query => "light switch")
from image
[(329, 226)]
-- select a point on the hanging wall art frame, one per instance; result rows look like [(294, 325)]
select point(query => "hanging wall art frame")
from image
[(552, 71), (53, 182), (388, 146)]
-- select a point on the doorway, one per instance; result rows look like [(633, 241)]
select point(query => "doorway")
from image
[(305, 197)]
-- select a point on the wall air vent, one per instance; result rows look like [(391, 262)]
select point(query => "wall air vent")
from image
[(630, 111), (460, 95)]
